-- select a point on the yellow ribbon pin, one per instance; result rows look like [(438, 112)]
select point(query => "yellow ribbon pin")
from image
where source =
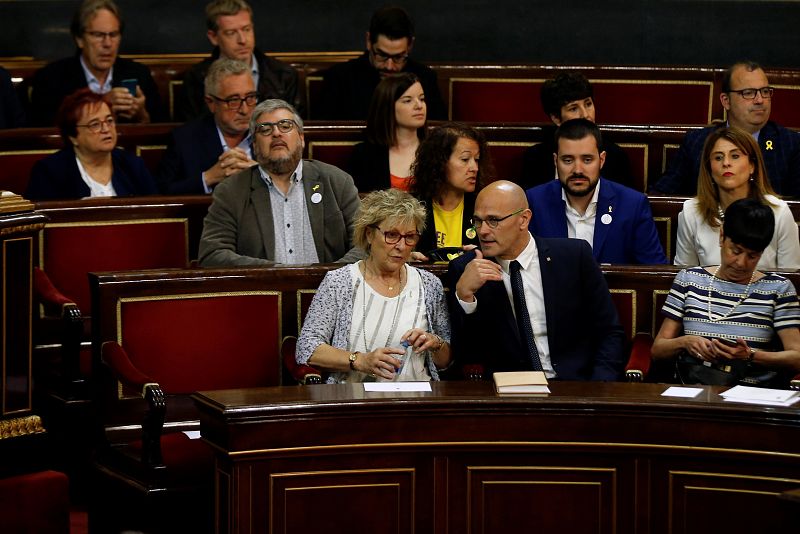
[(769, 145)]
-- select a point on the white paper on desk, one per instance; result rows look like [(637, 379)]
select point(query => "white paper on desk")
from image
[(397, 386), (764, 402), (688, 393), (192, 434), (758, 394)]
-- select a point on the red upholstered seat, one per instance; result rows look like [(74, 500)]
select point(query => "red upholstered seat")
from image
[(36, 502), (17, 165)]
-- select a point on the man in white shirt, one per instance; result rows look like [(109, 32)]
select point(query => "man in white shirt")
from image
[(573, 323), (615, 220)]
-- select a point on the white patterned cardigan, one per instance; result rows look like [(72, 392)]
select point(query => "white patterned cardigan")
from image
[(331, 314)]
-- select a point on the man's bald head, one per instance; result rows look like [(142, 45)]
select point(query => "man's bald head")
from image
[(504, 204)]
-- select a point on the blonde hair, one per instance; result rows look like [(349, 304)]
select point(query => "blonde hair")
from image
[(707, 190), (387, 205)]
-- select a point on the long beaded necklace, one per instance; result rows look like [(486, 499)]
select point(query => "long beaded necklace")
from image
[(741, 299), (397, 308)]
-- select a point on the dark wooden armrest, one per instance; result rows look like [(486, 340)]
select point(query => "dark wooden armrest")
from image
[(71, 330), (153, 423), (302, 373), (639, 362), (473, 371)]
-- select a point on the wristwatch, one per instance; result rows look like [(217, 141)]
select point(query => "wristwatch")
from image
[(352, 358)]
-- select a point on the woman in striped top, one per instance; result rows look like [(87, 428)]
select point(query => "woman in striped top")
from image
[(732, 311)]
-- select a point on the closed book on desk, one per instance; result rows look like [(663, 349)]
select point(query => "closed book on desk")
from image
[(521, 382)]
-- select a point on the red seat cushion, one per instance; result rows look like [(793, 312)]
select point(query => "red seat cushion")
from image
[(36, 502), (188, 461)]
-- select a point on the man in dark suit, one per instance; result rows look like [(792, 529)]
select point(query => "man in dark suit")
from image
[(348, 87), (97, 31), (284, 210), (207, 150), (615, 220), (747, 99), (573, 321), (231, 32), (568, 96)]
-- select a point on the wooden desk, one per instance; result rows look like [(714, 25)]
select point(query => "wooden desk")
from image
[(588, 458)]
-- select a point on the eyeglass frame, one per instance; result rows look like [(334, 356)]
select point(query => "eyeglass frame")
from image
[(228, 101), (405, 237), (101, 36), (383, 57), (759, 90), (96, 126), (272, 126), (492, 222)]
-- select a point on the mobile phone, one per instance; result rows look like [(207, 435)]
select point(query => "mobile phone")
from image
[(729, 342), (130, 84)]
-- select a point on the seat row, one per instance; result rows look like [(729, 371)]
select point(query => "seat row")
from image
[(649, 148), (510, 93)]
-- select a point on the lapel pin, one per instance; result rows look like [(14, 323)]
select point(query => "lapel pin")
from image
[(606, 218), (316, 198), (315, 187), (470, 233), (768, 145)]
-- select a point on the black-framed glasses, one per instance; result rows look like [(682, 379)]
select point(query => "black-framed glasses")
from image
[(96, 125), (100, 36), (397, 59), (392, 237), (283, 125), (492, 221), (234, 103), (750, 93)]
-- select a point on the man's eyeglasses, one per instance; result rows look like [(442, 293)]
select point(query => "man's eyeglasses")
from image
[(234, 103), (492, 221), (392, 237), (100, 36), (750, 94), (284, 126), (96, 125), (397, 59)]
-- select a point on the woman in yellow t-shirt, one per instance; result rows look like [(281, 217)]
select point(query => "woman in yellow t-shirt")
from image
[(451, 165)]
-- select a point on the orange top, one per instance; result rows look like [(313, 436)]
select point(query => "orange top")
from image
[(403, 184)]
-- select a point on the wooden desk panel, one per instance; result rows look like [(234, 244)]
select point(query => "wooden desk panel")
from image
[(590, 457)]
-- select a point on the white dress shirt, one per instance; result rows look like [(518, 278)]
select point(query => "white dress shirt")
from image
[(581, 226)]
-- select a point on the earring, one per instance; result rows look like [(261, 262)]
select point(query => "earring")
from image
[(752, 179)]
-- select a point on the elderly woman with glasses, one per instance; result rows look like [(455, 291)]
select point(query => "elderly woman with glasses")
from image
[(89, 165), (380, 319)]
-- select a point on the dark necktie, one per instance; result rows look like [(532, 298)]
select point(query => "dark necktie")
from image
[(523, 319)]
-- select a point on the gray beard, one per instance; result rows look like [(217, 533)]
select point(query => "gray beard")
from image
[(281, 165)]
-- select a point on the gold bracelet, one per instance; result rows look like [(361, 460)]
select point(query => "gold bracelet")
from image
[(441, 344)]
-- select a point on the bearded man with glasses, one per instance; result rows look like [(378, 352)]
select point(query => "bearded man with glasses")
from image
[(347, 87), (97, 31), (747, 98), (521, 302), (285, 210)]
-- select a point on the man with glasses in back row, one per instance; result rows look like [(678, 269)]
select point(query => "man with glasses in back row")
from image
[(285, 210), (522, 302), (97, 30), (347, 87), (208, 150), (747, 99)]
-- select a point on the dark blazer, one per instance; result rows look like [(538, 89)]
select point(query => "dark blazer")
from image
[(427, 240), (239, 228), (780, 148), (194, 148), (63, 77), (585, 337), (57, 177), (369, 165), (630, 237), (538, 167), (347, 90), (275, 80), (11, 112)]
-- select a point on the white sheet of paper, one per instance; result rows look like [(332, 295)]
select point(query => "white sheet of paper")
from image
[(765, 394), (397, 386), (676, 391), (192, 434), (789, 402)]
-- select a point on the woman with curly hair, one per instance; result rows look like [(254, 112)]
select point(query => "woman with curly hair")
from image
[(451, 165)]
